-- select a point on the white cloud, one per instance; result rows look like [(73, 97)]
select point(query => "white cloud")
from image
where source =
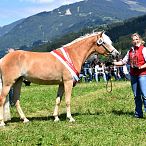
[(38, 1), (51, 1), (13, 11), (69, 1), (31, 11)]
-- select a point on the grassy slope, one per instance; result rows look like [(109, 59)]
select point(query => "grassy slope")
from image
[(102, 118)]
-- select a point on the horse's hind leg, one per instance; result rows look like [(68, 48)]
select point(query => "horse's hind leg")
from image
[(3, 95), (7, 114), (58, 101), (16, 96), (6, 106), (68, 90)]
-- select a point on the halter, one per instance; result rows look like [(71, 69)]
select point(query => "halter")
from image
[(101, 42)]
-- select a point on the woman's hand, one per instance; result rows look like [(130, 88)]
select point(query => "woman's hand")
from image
[(109, 63)]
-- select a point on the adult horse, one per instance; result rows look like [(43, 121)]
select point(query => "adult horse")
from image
[(58, 67)]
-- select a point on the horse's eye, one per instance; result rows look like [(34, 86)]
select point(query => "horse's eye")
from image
[(100, 41)]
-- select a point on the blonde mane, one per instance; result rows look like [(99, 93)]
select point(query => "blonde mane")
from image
[(105, 37), (81, 38)]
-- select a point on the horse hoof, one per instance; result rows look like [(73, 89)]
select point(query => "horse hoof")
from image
[(57, 119), (25, 121), (72, 120), (2, 124)]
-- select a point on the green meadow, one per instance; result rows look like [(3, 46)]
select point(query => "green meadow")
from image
[(102, 118)]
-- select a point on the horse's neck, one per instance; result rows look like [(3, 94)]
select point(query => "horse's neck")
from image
[(79, 52)]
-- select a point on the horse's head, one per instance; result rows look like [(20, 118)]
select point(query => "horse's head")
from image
[(104, 45)]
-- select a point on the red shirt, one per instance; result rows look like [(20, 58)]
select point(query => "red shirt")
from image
[(136, 60)]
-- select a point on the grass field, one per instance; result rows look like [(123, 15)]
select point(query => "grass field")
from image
[(102, 118)]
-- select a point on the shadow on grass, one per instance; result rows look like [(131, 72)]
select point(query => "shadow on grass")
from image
[(120, 112), (62, 117)]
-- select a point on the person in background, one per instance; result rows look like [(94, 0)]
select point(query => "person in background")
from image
[(87, 71), (90, 71), (99, 71), (115, 72), (107, 70), (136, 57)]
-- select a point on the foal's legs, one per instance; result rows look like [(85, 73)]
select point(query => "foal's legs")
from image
[(58, 101), (68, 90), (16, 96)]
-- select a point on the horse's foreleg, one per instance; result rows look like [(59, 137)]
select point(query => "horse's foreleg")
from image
[(68, 90), (58, 101), (16, 96)]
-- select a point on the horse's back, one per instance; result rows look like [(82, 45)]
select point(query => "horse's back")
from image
[(28, 57), (37, 67)]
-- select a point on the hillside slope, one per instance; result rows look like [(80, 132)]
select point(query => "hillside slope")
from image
[(46, 26), (118, 32)]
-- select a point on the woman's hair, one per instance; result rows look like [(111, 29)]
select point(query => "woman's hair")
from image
[(137, 35)]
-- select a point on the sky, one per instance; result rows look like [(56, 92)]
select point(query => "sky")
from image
[(13, 10)]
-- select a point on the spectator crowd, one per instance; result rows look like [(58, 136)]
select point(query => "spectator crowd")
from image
[(96, 70)]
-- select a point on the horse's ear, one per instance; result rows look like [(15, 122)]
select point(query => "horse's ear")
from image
[(102, 33)]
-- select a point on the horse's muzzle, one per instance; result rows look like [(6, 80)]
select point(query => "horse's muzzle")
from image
[(115, 54)]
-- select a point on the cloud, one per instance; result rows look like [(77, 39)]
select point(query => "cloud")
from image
[(51, 1), (31, 11), (38, 1), (18, 9)]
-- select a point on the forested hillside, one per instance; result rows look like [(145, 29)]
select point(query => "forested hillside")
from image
[(46, 26), (118, 32)]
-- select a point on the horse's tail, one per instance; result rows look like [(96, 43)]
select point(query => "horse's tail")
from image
[(6, 107)]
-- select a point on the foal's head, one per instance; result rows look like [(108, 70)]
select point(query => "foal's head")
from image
[(103, 45)]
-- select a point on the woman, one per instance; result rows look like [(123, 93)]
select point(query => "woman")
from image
[(136, 57)]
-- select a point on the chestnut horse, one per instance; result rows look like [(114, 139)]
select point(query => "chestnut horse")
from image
[(48, 69)]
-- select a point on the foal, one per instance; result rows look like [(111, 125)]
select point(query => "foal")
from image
[(61, 66)]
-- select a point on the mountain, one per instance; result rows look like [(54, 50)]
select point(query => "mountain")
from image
[(121, 32), (118, 32), (5, 29), (47, 26)]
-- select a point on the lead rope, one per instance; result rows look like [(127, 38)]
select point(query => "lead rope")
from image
[(109, 83)]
